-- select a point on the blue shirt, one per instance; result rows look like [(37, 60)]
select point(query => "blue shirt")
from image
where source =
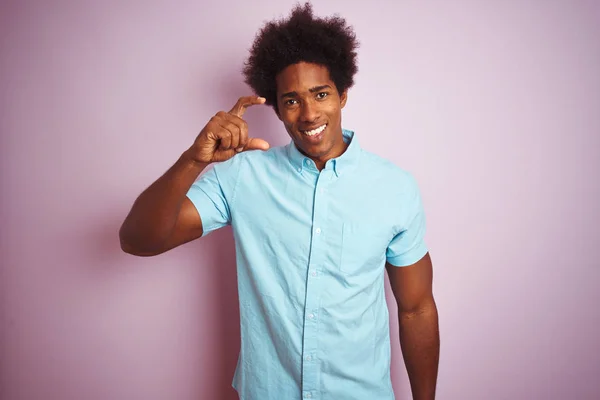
[(311, 249)]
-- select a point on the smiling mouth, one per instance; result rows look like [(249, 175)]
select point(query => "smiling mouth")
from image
[(315, 131)]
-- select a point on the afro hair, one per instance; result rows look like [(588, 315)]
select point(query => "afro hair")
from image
[(301, 38)]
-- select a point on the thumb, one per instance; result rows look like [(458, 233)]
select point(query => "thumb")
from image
[(257, 144)]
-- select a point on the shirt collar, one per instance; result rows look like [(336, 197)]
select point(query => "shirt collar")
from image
[(346, 161)]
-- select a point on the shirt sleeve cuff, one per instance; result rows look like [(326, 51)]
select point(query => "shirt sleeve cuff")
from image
[(409, 257), (204, 205)]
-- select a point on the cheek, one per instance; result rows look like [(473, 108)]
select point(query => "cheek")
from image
[(287, 124), (332, 108), (287, 120)]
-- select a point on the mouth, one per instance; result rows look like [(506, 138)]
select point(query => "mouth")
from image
[(314, 134)]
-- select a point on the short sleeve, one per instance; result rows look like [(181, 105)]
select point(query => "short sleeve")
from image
[(213, 193), (408, 246)]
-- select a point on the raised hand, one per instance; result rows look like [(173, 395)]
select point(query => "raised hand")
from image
[(226, 134)]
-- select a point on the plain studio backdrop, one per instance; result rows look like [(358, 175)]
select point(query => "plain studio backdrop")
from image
[(494, 106)]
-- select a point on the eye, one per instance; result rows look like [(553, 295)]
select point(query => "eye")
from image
[(290, 102), (322, 95)]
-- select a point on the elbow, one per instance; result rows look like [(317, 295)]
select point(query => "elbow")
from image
[(424, 306), (136, 252), (129, 248)]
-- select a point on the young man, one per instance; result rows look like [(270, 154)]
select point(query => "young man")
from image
[(315, 223)]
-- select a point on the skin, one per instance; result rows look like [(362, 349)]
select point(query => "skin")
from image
[(307, 98), (418, 324), (162, 217)]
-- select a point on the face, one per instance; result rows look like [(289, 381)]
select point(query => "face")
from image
[(310, 108)]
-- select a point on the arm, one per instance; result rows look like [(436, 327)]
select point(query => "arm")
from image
[(418, 322), (162, 217)]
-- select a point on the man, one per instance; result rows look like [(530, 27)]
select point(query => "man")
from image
[(314, 222)]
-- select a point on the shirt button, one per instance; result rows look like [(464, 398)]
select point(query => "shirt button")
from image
[(318, 231), (311, 316), (314, 273), (299, 169), (308, 358), (307, 395), (306, 162)]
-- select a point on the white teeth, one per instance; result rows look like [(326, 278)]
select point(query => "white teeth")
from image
[(315, 131)]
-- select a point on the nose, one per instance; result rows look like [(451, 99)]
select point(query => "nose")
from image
[(309, 112)]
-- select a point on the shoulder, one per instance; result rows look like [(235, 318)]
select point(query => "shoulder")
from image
[(274, 154), (254, 157), (385, 170), (252, 165), (261, 163)]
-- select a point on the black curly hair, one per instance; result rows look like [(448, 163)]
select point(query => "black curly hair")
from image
[(302, 37)]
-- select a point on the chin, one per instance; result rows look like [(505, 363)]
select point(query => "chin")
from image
[(317, 151)]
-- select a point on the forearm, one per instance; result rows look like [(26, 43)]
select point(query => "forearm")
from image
[(420, 343), (154, 213)]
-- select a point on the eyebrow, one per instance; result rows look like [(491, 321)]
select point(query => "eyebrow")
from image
[(312, 90)]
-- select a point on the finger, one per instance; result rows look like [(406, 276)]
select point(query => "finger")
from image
[(257, 144), (244, 102), (234, 130), (243, 136), (212, 128), (224, 138), (242, 129)]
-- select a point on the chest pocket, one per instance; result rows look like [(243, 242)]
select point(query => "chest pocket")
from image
[(363, 247)]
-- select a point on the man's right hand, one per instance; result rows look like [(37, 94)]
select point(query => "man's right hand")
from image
[(226, 134)]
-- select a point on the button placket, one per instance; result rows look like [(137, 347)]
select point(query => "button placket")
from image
[(318, 249)]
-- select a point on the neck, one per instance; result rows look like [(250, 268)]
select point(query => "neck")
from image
[(336, 151), (321, 161)]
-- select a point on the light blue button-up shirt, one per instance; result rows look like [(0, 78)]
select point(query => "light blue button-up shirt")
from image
[(311, 249)]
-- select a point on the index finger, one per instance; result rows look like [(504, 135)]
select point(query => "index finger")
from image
[(244, 102)]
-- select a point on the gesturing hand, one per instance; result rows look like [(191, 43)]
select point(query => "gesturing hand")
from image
[(226, 134)]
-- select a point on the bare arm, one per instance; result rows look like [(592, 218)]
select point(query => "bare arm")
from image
[(418, 322), (162, 217)]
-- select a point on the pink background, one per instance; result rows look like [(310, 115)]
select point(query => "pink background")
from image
[(494, 106)]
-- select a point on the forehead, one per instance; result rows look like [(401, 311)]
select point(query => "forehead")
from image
[(301, 77)]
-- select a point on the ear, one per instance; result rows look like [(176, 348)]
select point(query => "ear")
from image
[(343, 98)]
